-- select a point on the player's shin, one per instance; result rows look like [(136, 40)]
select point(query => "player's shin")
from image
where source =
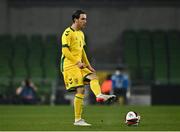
[(95, 87), (78, 106)]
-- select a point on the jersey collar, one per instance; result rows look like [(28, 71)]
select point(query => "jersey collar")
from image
[(72, 29)]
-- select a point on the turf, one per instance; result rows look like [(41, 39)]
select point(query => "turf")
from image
[(103, 118)]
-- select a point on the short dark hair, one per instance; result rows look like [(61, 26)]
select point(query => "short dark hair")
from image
[(76, 14)]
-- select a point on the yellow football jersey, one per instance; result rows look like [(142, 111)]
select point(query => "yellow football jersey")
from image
[(74, 41)]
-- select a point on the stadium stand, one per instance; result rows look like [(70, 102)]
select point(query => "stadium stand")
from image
[(20, 62), (130, 52), (36, 56), (160, 57), (6, 69), (151, 56), (51, 57), (174, 55), (145, 54), (5, 56)]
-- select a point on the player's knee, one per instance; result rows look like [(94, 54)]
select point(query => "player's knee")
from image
[(93, 76), (80, 90)]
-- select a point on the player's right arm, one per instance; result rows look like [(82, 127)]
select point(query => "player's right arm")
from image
[(66, 37), (67, 54)]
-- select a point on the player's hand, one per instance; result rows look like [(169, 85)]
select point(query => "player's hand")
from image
[(91, 69), (81, 65)]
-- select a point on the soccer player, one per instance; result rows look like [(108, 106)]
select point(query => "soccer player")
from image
[(76, 68)]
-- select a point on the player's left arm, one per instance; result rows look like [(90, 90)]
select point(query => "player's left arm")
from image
[(86, 61), (84, 56)]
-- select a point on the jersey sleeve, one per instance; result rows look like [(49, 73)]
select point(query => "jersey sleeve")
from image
[(65, 46), (84, 58), (84, 42), (66, 39), (66, 52)]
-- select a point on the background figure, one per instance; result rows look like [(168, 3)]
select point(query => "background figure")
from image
[(120, 85), (106, 86), (27, 92)]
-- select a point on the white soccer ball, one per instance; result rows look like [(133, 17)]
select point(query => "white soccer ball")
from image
[(132, 118)]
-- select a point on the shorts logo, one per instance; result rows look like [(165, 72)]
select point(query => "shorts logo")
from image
[(70, 81)]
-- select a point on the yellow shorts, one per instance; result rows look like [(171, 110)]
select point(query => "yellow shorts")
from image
[(75, 77)]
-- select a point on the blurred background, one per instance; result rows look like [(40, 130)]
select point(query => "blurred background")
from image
[(141, 36)]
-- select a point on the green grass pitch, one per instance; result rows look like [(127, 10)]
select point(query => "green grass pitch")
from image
[(102, 118)]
